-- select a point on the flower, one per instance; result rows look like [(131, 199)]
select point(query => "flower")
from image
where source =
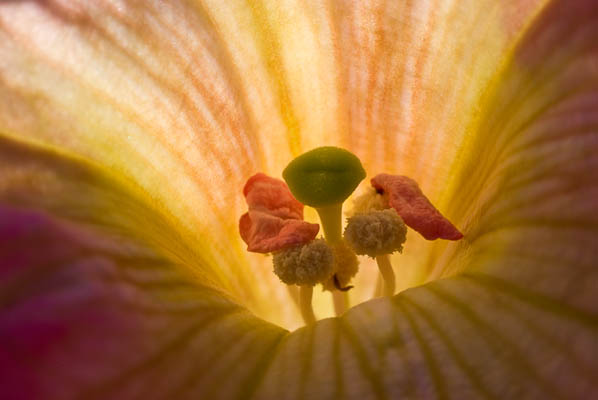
[(127, 129)]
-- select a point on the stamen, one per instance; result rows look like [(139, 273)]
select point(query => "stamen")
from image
[(309, 264), (340, 301), (346, 266), (405, 196), (369, 201), (387, 274), (331, 219), (294, 293), (377, 234), (307, 311), (377, 225), (378, 290)]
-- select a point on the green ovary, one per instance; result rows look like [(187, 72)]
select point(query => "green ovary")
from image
[(324, 176)]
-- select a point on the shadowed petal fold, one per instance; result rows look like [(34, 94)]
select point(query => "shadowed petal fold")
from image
[(92, 306), (88, 316)]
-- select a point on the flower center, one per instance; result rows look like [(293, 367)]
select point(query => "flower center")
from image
[(323, 179)]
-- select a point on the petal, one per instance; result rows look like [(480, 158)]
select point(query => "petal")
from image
[(510, 342), (412, 75), (91, 306), (85, 315), (144, 91), (520, 319), (181, 95), (405, 196)]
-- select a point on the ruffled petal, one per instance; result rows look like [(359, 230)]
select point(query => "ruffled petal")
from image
[(275, 217), (405, 196)]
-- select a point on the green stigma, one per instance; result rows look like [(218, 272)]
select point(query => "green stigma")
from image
[(324, 176)]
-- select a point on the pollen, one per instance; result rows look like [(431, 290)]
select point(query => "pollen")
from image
[(346, 266), (376, 233), (308, 264), (371, 200)]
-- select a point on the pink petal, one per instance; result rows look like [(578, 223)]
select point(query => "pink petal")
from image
[(407, 199), (275, 217), (85, 314)]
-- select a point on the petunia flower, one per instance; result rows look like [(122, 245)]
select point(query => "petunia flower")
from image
[(128, 127)]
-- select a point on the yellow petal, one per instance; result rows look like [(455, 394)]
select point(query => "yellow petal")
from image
[(150, 99), (189, 99), (93, 306), (520, 319)]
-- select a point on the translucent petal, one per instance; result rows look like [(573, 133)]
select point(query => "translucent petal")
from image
[(520, 319), (189, 99)]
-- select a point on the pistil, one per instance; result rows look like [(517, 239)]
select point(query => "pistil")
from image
[(331, 220), (324, 178)]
